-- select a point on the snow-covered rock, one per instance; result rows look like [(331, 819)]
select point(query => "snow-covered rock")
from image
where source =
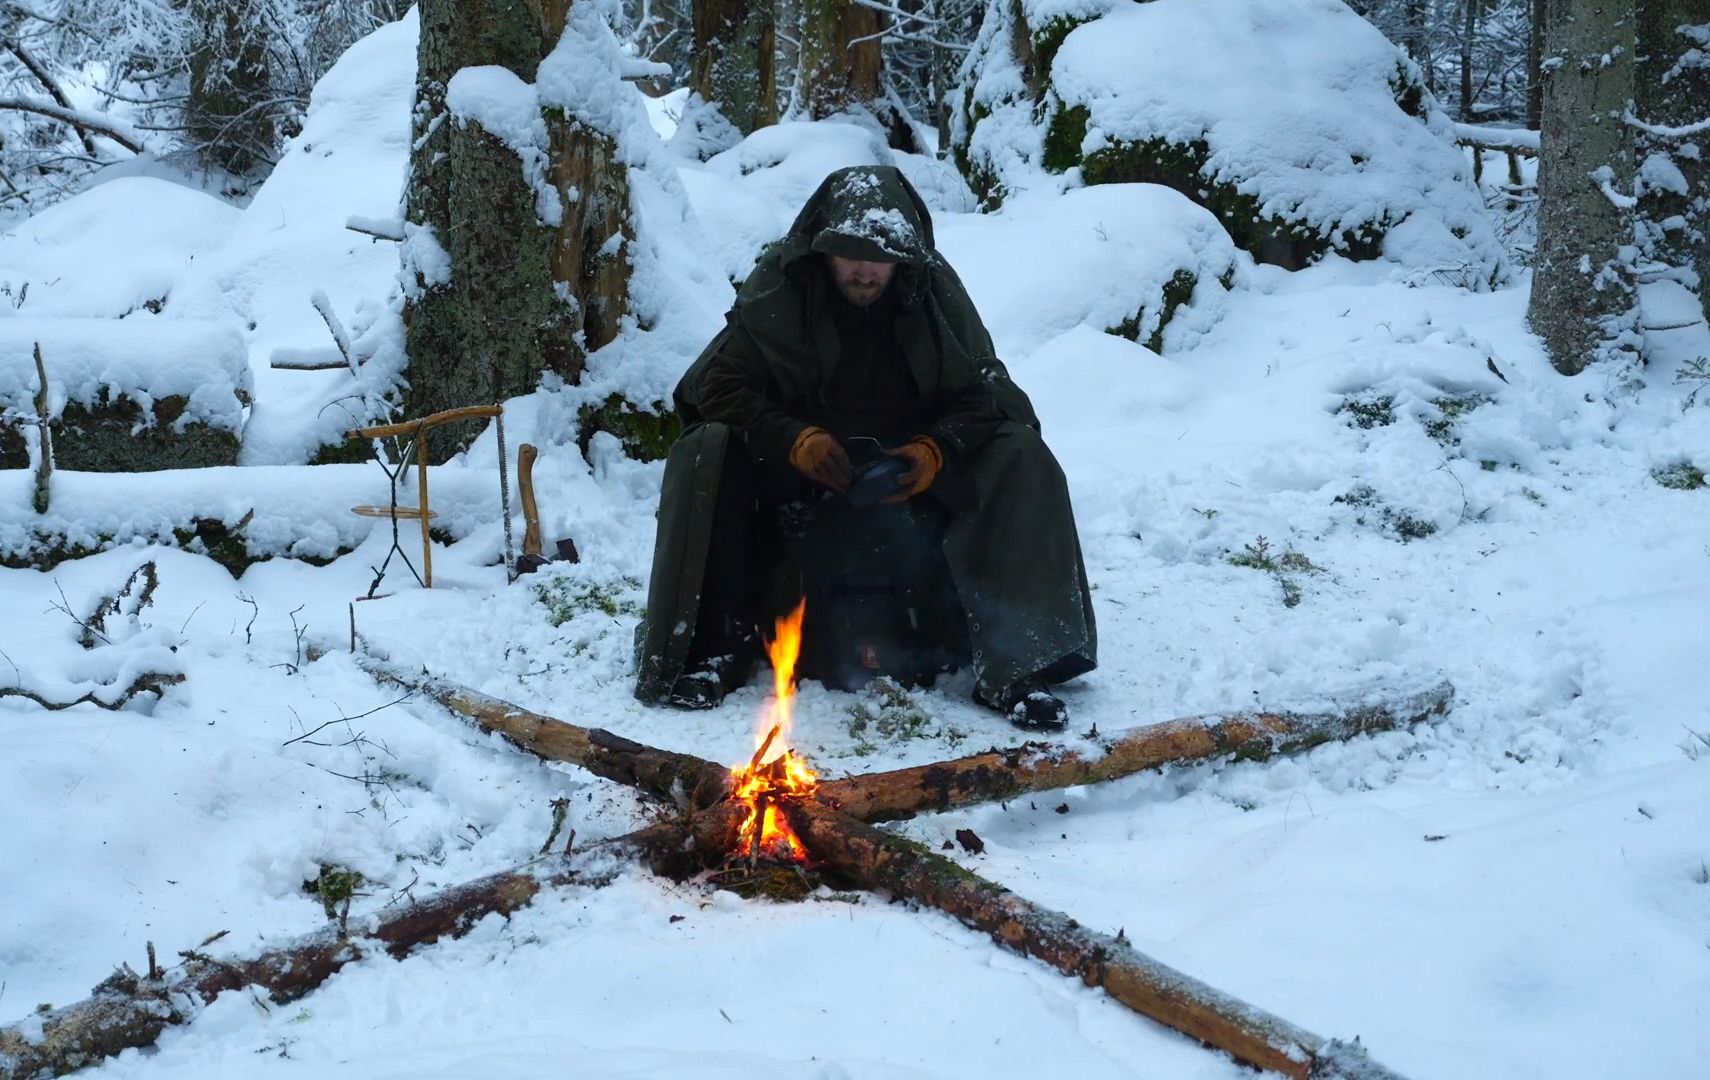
[(1341, 151), (126, 395)]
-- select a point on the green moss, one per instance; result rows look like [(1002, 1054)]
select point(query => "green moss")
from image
[(1063, 137), (334, 887), (646, 435), (1402, 525), (1681, 476), (783, 884), (1176, 293), (1450, 409), (1286, 566), (114, 434), (1409, 94), (1267, 237), (1048, 39), (887, 711), (565, 598), (1369, 410)]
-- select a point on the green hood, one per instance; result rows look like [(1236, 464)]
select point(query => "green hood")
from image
[(865, 211)]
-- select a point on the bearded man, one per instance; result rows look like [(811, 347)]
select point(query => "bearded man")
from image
[(851, 438)]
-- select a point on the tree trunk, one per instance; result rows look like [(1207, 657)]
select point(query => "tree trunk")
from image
[(1534, 65), (1469, 28), (836, 74), (229, 85), (128, 1010), (1418, 15), (1004, 774), (1673, 91), (1582, 294), (873, 859), (522, 296), (689, 782), (733, 68)]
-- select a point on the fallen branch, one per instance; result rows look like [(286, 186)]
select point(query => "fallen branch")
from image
[(95, 626), (379, 228), (873, 859), (293, 358), (128, 1010), (340, 337), (148, 682), (1004, 774), (688, 782)]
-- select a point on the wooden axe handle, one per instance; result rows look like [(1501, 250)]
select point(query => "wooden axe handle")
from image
[(526, 453)]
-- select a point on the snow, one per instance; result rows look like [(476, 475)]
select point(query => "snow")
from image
[(1324, 144), (43, 262), (142, 359), (1459, 895)]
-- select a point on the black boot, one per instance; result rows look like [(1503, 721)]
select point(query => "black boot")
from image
[(1028, 704), (705, 684)]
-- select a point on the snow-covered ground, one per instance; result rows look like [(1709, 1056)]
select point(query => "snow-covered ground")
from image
[(1518, 890)]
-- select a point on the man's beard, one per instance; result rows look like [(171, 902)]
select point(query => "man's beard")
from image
[(862, 295)]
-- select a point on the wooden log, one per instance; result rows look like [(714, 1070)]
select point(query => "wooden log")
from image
[(688, 782), (873, 859), (130, 1010), (1004, 774)]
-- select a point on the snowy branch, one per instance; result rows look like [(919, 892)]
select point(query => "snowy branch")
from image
[(1519, 140), (84, 121), (1604, 177), (101, 697), (45, 77), (1662, 132)]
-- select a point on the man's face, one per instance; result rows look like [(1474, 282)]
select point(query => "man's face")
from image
[(861, 282)]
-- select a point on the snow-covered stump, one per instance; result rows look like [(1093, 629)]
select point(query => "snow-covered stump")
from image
[(903, 868), (1347, 153), (133, 395)]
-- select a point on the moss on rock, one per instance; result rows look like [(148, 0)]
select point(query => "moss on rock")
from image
[(1176, 292), (220, 541), (646, 435), (1269, 238)]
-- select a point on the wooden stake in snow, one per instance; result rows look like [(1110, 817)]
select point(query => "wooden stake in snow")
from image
[(44, 437)]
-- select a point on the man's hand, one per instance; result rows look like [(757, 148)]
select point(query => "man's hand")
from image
[(820, 457), (925, 460)]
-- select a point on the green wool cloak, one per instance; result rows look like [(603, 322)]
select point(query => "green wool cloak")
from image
[(1011, 544)]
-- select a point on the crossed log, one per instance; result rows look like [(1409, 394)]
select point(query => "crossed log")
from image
[(131, 1010)]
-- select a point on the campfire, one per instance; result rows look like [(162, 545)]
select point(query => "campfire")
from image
[(776, 772)]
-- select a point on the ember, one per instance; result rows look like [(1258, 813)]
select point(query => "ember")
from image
[(775, 772)]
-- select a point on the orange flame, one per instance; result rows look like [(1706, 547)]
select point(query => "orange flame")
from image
[(775, 771)]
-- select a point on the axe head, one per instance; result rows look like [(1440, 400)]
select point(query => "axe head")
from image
[(528, 564)]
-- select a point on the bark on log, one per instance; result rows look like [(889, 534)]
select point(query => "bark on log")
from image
[(128, 1010), (1004, 774), (876, 860), (686, 781)]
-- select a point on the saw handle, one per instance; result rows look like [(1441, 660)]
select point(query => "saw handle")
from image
[(526, 453)]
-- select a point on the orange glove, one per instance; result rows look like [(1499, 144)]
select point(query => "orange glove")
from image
[(925, 460), (818, 456)]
